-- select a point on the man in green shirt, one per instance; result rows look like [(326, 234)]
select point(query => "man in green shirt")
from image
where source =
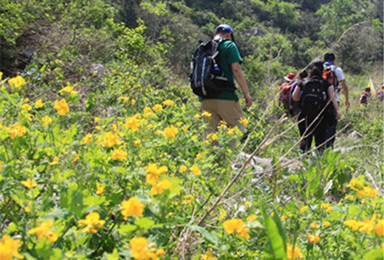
[(226, 106)]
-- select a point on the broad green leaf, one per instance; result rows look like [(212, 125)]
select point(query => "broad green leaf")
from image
[(375, 254), (145, 223), (275, 235), (354, 210), (126, 229), (210, 236)]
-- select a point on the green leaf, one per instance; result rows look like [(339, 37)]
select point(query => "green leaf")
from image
[(354, 210), (210, 236), (58, 214), (145, 223), (276, 236), (375, 254), (126, 229)]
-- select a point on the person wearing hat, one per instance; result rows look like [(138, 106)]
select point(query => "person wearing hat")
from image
[(285, 90), (314, 125), (226, 106), (380, 94), (340, 84), (366, 95)]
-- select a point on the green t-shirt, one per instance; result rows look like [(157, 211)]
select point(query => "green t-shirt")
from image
[(228, 54)]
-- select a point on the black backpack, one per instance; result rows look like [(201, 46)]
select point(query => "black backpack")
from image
[(207, 79), (313, 97)]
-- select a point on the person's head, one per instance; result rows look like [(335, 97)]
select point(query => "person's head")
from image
[(367, 89), (329, 56), (225, 31), (303, 74), (316, 68), (290, 77)]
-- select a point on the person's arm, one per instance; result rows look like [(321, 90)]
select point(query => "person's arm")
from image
[(332, 95), (239, 76), (344, 87), (297, 92)]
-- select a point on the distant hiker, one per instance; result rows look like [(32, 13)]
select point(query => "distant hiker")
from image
[(335, 76), (366, 95), (294, 105), (314, 95), (380, 94), (224, 105), (285, 89)]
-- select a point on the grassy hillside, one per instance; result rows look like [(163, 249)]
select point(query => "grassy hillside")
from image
[(103, 154)]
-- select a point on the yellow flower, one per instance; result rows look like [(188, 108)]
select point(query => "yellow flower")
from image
[(212, 137), (327, 207), (185, 128), (44, 231), (26, 107), (39, 103), (1, 75), (154, 172), (96, 120), (139, 248), (293, 252), (17, 130), (17, 82), (133, 102), (326, 224), (170, 132), (119, 154), (198, 156), (196, 116), (132, 122), (368, 225), (160, 251), (349, 197), (208, 256), (179, 124), (207, 114), (195, 170), (62, 107), (29, 183), (303, 209), (244, 121), (283, 218), (99, 189), (231, 131), (251, 217), (91, 222), (313, 239), (46, 120), (367, 191), (147, 109), (247, 203), (87, 139), (379, 228), (314, 225), (68, 89), (9, 248), (111, 139), (168, 102), (132, 207), (160, 187), (353, 224), (137, 142), (183, 168), (54, 161), (157, 107), (236, 225), (75, 156)]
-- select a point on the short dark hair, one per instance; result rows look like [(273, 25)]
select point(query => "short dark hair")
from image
[(329, 56), (367, 89)]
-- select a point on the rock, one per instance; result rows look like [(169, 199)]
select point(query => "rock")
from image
[(98, 70), (356, 134)]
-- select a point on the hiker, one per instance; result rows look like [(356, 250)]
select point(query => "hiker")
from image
[(225, 106), (366, 95), (314, 95), (335, 75), (380, 94), (285, 89), (294, 105)]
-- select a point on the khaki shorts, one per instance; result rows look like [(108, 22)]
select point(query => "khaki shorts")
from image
[(223, 110)]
